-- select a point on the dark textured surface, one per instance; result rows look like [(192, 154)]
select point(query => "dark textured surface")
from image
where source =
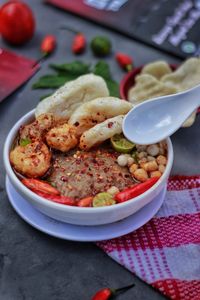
[(34, 266)]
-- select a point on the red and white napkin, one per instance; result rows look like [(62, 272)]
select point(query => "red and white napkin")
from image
[(165, 252), (14, 71)]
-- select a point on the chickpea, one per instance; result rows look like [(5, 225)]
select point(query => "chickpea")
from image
[(161, 168), (142, 160), (155, 174), (153, 150), (113, 190), (140, 175), (150, 166), (150, 158), (161, 151), (130, 161), (141, 147), (133, 168), (141, 155), (161, 160), (122, 160)]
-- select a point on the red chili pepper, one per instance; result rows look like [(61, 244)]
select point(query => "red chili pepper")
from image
[(125, 61), (103, 294), (135, 190), (85, 202), (39, 185), (57, 198), (48, 44), (79, 43), (107, 293)]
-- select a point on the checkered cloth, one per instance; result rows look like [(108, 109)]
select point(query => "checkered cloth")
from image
[(165, 252)]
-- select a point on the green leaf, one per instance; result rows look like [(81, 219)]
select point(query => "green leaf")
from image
[(76, 68), (44, 96), (113, 87), (24, 142), (52, 81), (102, 69)]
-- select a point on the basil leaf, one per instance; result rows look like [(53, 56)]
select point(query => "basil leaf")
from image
[(113, 88), (44, 96), (52, 81), (102, 69), (24, 142), (74, 68)]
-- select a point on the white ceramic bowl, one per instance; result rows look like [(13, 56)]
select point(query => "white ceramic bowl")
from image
[(79, 215)]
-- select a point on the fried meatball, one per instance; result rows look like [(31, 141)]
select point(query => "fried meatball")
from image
[(62, 138), (32, 160), (37, 129)]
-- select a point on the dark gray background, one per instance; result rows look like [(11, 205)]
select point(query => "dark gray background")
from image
[(34, 266)]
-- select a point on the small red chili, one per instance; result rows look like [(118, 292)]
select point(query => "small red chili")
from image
[(79, 43), (124, 60), (135, 190), (107, 293), (48, 44), (103, 294), (40, 185), (85, 202), (56, 198)]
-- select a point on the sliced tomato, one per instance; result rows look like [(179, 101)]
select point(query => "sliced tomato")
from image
[(39, 185), (85, 202), (56, 198)]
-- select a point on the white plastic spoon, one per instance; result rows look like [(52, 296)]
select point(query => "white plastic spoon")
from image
[(158, 118)]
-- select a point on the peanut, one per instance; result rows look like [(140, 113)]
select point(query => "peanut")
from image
[(130, 161), (133, 168), (161, 160), (140, 175), (155, 174), (161, 168), (151, 166)]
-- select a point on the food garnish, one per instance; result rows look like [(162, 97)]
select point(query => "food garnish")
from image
[(85, 202), (103, 199), (76, 67), (79, 43), (70, 71), (121, 144), (135, 190), (48, 44), (107, 293), (101, 46), (40, 186), (56, 198), (125, 61), (24, 142)]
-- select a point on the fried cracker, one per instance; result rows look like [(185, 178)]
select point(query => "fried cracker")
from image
[(157, 69)]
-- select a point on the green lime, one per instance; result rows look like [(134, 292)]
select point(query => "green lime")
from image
[(101, 45), (121, 144), (103, 199)]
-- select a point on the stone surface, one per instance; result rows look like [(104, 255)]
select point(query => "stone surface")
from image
[(34, 266)]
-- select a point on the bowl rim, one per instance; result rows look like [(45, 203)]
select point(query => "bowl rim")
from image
[(74, 209)]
